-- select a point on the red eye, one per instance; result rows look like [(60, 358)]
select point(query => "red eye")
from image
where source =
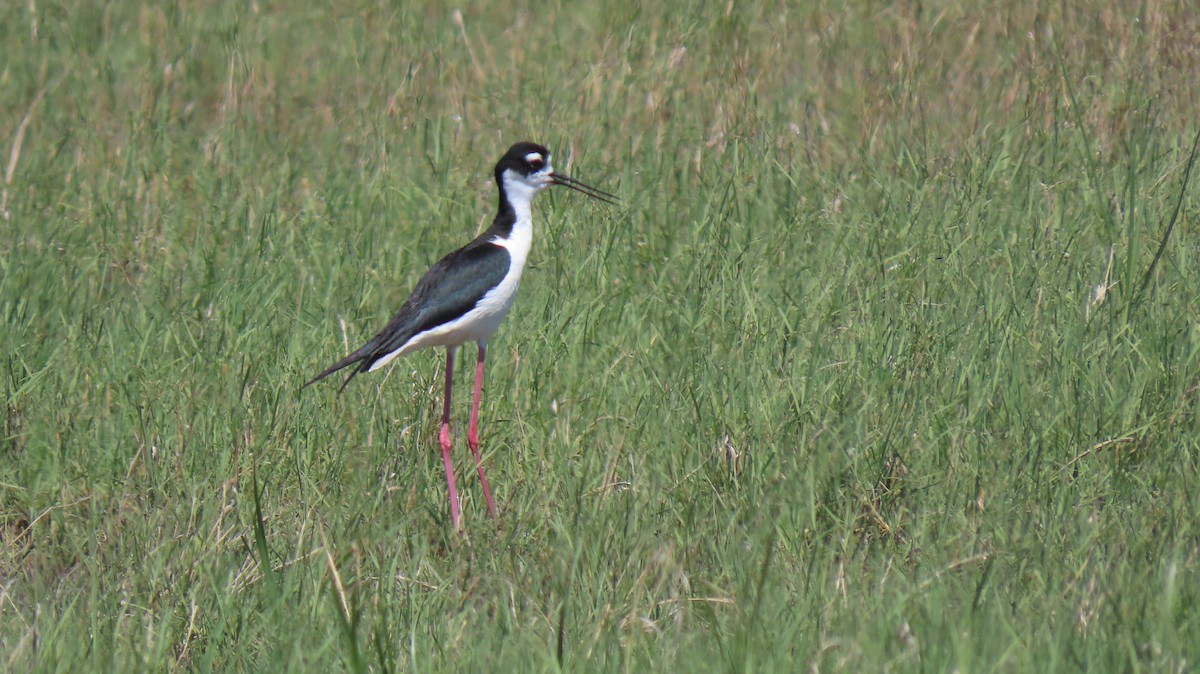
[(535, 160)]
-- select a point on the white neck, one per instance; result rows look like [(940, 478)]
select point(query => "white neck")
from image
[(520, 192)]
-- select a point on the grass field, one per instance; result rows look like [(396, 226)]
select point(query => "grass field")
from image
[(889, 361)]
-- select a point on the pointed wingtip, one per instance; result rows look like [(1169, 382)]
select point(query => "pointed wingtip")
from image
[(349, 360), (353, 373)]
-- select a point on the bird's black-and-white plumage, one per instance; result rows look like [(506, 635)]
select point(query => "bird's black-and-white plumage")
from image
[(466, 294)]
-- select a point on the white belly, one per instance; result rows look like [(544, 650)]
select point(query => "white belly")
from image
[(481, 322)]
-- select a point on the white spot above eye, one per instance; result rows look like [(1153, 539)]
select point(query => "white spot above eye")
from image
[(534, 158)]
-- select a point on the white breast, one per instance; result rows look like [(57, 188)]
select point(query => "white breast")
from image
[(481, 322)]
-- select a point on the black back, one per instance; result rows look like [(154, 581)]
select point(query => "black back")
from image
[(456, 283)]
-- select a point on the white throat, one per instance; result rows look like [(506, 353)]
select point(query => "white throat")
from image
[(520, 191)]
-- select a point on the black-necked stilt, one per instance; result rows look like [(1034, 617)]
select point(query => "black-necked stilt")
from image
[(466, 294)]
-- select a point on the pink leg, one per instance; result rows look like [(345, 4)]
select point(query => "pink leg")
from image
[(445, 442), (473, 431)]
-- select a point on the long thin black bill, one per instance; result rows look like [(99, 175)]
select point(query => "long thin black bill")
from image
[(582, 188)]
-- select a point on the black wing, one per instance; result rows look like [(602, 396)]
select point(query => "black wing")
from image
[(451, 288)]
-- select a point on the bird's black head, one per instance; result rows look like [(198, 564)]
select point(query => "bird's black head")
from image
[(528, 170), (524, 159)]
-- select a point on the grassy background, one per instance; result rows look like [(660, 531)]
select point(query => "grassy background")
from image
[(883, 364)]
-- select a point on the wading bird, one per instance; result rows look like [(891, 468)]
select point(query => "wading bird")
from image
[(465, 295)]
